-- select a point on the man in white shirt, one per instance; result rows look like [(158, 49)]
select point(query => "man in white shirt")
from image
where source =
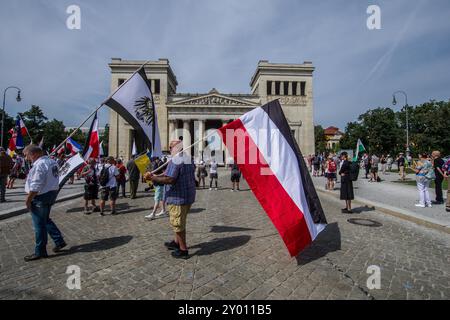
[(109, 187), (42, 186)]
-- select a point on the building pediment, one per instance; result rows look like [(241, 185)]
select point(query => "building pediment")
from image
[(214, 99)]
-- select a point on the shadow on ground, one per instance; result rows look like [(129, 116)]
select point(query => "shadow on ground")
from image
[(363, 209), (218, 245), (97, 245), (220, 229), (329, 240)]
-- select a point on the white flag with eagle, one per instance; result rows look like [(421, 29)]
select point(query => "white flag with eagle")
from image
[(134, 102)]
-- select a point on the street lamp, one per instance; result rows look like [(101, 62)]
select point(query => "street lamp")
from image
[(18, 99), (394, 102)]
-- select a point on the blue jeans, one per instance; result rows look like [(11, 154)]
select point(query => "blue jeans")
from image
[(40, 213)]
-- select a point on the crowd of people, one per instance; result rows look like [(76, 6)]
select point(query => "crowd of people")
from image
[(427, 169)]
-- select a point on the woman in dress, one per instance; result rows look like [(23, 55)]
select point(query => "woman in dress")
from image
[(346, 184)]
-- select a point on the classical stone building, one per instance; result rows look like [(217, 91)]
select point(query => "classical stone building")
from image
[(200, 114)]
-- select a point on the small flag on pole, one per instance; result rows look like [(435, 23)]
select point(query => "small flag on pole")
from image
[(73, 146), (359, 148), (142, 162), (92, 145), (19, 137)]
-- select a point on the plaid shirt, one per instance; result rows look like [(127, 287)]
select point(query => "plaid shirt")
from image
[(183, 191)]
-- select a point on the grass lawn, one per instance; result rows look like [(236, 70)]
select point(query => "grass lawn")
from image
[(413, 183)]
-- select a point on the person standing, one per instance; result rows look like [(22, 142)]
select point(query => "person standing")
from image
[(235, 177), (367, 164), (202, 173), (6, 165), (90, 174), (374, 161), (438, 164), (108, 185), (331, 173), (134, 176), (401, 166), (346, 184), (389, 162), (213, 175), (14, 173), (41, 186), (446, 169), (122, 178), (383, 162), (159, 191), (180, 195), (424, 175)]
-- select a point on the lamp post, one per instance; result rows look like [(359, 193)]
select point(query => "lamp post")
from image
[(18, 98), (394, 102)]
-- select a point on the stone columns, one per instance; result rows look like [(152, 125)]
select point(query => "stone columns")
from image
[(298, 88), (172, 130), (224, 148), (273, 88), (201, 134), (290, 88), (186, 136), (281, 88), (152, 85)]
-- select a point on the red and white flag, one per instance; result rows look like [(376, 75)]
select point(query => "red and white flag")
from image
[(92, 145), (262, 145), (23, 128)]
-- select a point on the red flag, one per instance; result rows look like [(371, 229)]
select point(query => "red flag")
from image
[(92, 145)]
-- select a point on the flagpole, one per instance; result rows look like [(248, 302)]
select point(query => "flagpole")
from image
[(187, 148), (98, 108), (31, 140)]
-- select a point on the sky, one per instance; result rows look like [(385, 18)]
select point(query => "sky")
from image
[(217, 44)]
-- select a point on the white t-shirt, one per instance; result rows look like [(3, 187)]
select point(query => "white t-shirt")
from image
[(213, 168), (43, 176), (113, 173)]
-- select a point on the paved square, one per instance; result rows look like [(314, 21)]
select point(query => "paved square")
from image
[(236, 254)]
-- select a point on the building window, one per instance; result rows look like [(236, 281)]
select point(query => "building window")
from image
[(294, 88), (269, 88), (303, 88), (277, 88), (120, 82), (286, 88)]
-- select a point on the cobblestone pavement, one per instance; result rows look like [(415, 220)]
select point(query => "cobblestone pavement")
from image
[(236, 254)]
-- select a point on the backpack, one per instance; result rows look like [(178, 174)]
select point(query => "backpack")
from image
[(354, 171), (332, 166), (104, 176)]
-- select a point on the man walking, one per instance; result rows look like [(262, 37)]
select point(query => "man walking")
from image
[(108, 185), (133, 175), (6, 165), (42, 185), (180, 195), (121, 179), (401, 166)]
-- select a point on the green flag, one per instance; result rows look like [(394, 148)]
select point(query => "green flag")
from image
[(359, 148)]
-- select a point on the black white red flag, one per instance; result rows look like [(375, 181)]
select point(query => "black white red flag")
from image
[(262, 145)]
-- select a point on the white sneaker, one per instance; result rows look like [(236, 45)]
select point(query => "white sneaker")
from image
[(420, 205), (215, 189), (150, 216), (161, 213), (210, 188), (429, 205)]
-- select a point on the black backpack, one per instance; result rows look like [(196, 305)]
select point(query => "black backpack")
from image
[(104, 176), (354, 170)]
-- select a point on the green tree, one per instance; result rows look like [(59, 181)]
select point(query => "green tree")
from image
[(8, 125), (54, 133), (353, 132), (34, 120), (320, 140)]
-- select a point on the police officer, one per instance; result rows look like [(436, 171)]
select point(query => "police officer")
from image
[(42, 187)]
